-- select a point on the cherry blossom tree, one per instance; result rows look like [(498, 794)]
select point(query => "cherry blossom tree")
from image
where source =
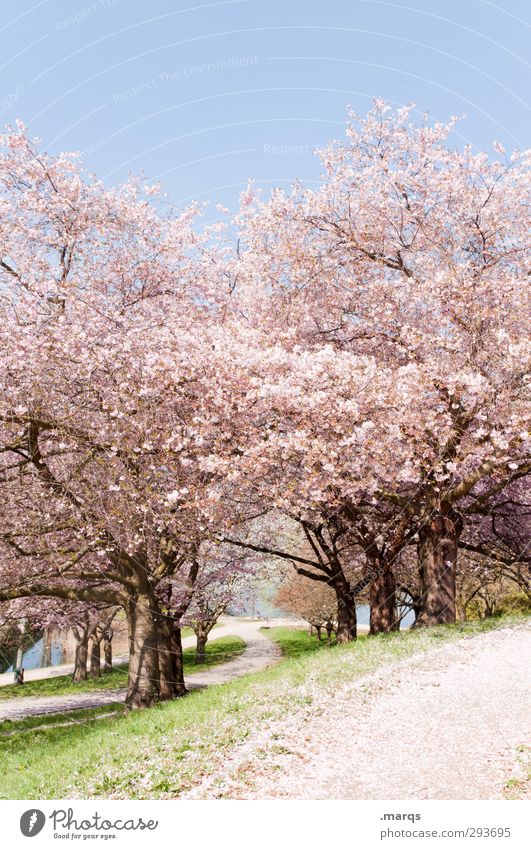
[(403, 280), (105, 329), (222, 581), (358, 366), (312, 601)]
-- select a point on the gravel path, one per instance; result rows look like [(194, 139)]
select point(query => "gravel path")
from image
[(443, 725), (259, 653), (21, 708)]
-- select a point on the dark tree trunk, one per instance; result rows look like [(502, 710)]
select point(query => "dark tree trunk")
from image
[(81, 657), (95, 658), (490, 607), (346, 610), (166, 660), (437, 552), (202, 638), (170, 660), (143, 686), (177, 645), (318, 629), (329, 631), (107, 651), (382, 599)]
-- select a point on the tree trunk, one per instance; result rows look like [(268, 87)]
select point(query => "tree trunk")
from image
[(329, 631), (318, 629), (382, 599), (490, 607), (81, 657), (166, 660), (346, 611), (202, 637), (170, 660), (437, 552), (143, 686), (107, 651), (95, 658), (46, 659), (177, 647)]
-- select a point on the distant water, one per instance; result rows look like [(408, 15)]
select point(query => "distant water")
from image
[(34, 657), (263, 607), (407, 617)]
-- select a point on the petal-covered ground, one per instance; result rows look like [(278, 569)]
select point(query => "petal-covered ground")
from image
[(452, 723)]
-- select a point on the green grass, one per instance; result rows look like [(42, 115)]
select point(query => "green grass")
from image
[(57, 720), (63, 685), (161, 752), (518, 788), (296, 641), (218, 651)]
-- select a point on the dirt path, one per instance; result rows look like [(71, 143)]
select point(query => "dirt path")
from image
[(259, 653), (21, 708), (444, 725)]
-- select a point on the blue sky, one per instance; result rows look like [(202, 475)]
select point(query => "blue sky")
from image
[(204, 95)]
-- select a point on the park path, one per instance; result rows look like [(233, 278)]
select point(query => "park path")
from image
[(452, 723), (259, 653)]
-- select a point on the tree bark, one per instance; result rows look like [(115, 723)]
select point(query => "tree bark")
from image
[(143, 686), (437, 552), (170, 660), (382, 599), (46, 648), (177, 645), (95, 658), (107, 651), (346, 610), (202, 638), (81, 657)]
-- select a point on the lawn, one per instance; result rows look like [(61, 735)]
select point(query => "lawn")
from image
[(218, 651), (159, 753), (296, 642), (58, 720)]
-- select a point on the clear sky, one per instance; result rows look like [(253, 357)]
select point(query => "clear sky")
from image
[(204, 95)]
